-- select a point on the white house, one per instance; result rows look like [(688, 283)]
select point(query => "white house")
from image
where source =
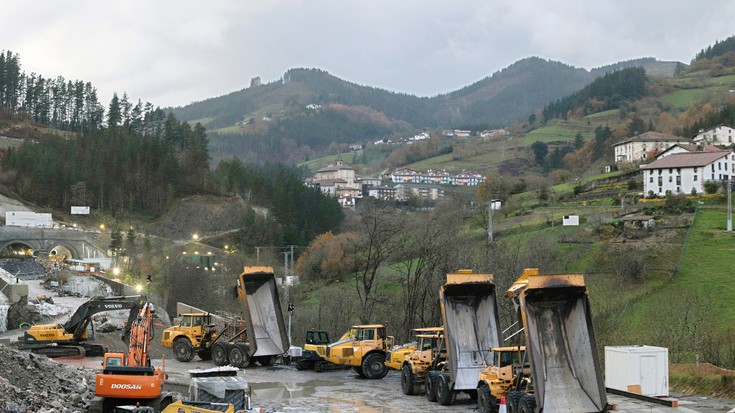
[(681, 173), (719, 135), (642, 147)]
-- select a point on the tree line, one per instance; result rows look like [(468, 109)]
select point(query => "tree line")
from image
[(136, 158), (605, 93)]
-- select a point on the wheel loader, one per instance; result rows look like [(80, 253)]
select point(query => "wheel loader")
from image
[(363, 348), (508, 371), (315, 349), (561, 351)]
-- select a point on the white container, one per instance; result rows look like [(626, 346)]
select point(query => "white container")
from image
[(627, 367)]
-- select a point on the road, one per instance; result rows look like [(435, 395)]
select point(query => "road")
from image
[(283, 389)]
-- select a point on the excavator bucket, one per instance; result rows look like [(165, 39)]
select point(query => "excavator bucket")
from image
[(560, 338)]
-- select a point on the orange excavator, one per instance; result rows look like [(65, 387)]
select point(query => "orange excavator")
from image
[(130, 378)]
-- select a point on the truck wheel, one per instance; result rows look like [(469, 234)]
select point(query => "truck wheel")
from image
[(183, 350), (513, 400), (205, 354), (373, 366), (319, 366), (238, 357), (430, 386), (266, 361), (219, 354), (445, 395), (527, 404), (408, 380), (486, 402), (358, 370)]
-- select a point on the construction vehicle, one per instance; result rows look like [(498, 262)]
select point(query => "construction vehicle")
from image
[(222, 339), (74, 338), (230, 341), (565, 372), (395, 357), (315, 349), (187, 406), (426, 355), (131, 377), (258, 293), (508, 371), (469, 310), (363, 348)]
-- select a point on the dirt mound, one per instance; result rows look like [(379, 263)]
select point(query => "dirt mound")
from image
[(204, 215), (33, 383)]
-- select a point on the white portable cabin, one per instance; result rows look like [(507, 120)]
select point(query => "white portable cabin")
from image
[(571, 221), (629, 368)]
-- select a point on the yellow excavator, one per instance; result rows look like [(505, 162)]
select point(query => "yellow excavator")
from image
[(74, 338)]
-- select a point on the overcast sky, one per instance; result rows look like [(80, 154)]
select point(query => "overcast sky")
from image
[(171, 53)]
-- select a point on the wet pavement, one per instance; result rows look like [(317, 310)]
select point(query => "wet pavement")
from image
[(282, 388)]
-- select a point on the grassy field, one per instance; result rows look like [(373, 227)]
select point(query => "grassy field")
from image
[(707, 266)]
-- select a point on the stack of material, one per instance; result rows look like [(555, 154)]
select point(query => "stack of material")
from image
[(205, 386)]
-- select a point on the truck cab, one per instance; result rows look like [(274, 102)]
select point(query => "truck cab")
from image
[(363, 348)]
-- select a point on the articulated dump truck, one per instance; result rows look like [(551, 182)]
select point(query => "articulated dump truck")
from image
[(258, 293), (560, 346), (469, 309)]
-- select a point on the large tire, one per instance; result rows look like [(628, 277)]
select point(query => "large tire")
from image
[(486, 402), (267, 361), (430, 386), (239, 356), (220, 354), (205, 354), (183, 350), (445, 395), (512, 401), (527, 404), (358, 370), (373, 366), (320, 366), (408, 380)]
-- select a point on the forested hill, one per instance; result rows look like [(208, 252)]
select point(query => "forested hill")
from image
[(307, 110)]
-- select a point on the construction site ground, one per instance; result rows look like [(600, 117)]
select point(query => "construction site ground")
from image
[(55, 384)]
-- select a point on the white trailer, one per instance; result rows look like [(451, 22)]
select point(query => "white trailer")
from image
[(638, 369)]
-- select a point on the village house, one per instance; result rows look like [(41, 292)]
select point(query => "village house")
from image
[(645, 146), (338, 180), (683, 173), (719, 135)]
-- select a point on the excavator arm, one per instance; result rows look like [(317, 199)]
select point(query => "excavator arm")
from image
[(78, 322)]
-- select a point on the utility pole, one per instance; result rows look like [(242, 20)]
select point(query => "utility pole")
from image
[(257, 255), (285, 288), (729, 204), (490, 222)]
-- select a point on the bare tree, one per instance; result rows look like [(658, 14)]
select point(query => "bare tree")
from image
[(422, 257), (372, 245)]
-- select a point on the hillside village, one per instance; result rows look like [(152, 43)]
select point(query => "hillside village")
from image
[(689, 165)]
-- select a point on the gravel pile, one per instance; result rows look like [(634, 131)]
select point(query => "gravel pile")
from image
[(24, 269), (31, 383)]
